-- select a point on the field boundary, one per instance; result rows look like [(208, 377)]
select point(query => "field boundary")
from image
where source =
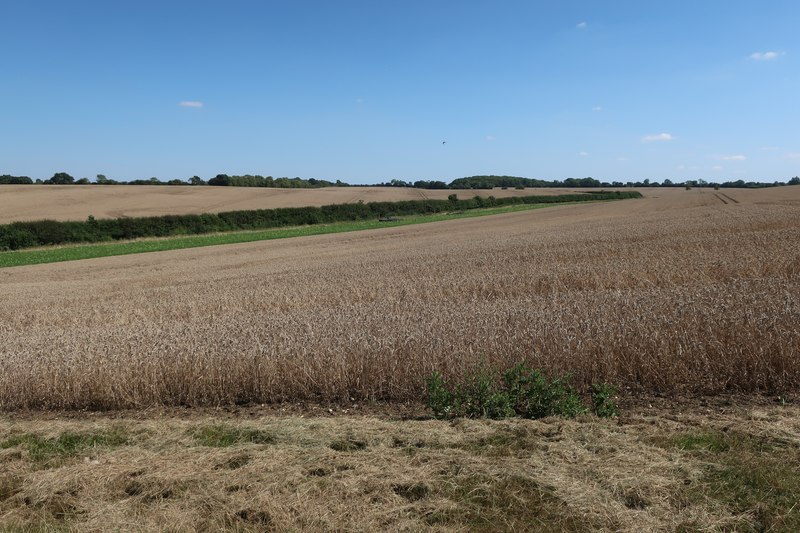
[(73, 252)]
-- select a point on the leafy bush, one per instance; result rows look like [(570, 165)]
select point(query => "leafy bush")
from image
[(522, 391), (603, 404), (440, 399)]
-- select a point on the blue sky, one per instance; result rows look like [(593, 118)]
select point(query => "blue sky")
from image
[(367, 91)]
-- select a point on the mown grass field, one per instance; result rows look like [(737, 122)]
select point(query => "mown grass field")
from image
[(681, 299)]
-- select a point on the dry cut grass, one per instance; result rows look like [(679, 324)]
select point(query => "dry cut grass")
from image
[(718, 467), (677, 292)]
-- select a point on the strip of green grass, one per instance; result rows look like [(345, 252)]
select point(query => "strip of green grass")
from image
[(90, 251)]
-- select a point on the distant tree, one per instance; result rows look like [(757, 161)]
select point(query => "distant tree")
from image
[(795, 181), (220, 179), (61, 178), (176, 182), (83, 181), (667, 183), (196, 180)]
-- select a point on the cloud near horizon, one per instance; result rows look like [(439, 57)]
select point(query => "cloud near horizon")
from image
[(657, 137), (737, 157), (764, 56), (190, 103)]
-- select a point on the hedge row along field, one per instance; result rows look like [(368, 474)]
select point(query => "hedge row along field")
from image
[(19, 235)]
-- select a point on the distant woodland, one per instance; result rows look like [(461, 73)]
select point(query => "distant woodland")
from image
[(471, 182)]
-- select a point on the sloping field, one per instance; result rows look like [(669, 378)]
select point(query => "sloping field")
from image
[(76, 202), (678, 292)]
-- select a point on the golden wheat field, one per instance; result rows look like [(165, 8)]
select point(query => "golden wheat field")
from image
[(681, 298), (76, 202), (680, 292)]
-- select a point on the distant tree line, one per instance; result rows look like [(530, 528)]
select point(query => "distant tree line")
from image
[(5, 179), (491, 182), (470, 182), (261, 181), (17, 235), (62, 178)]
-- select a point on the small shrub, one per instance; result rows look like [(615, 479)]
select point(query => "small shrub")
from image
[(481, 397), (536, 396), (603, 404), (521, 392), (440, 400)]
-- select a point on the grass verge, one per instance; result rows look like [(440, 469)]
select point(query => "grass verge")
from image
[(751, 477), (92, 251), (732, 467)]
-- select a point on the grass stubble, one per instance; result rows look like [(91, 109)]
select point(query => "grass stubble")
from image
[(724, 466), (675, 294)]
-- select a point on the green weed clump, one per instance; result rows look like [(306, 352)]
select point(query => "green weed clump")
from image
[(519, 391), (223, 436), (603, 404), (54, 451)]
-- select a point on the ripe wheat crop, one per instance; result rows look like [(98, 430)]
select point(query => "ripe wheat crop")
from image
[(676, 293)]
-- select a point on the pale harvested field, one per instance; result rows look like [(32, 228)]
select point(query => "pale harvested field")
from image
[(76, 202), (680, 292)]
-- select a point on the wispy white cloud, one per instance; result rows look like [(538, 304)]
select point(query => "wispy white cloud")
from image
[(581, 25), (657, 137), (716, 167), (792, 155), (737, 157), (681, 167), (622, 159), (765, 56), (490, 138), (583, 154), (597, 108), (190, 103), (770, 148)]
